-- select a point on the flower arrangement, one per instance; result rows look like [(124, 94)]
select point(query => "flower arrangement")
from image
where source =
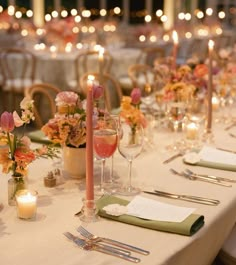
[(130, 110), (15, 151), (68, 127), (186, 82)]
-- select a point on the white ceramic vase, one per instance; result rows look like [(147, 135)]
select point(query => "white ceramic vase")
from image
[(74, 160)]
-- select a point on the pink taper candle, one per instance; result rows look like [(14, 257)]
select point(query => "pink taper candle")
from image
[(89, 141), (209, 96), (175, 47)]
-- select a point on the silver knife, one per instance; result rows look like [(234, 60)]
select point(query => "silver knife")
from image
[(191, 198)]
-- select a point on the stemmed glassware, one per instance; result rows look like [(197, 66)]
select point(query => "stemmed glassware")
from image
[(148, 97), (111, 183), (130, 146), (105, 143), (176, 115)]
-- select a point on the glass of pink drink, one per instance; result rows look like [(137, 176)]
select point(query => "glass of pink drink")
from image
[(105, 143)]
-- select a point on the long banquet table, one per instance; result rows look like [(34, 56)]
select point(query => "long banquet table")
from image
[(63, 66), (41, 241)]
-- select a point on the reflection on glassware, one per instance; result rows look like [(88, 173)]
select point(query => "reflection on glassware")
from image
[(130, 146), (111, 184), (147, 97), (176, 114), (89, 211), (105, 143), (191, 129)]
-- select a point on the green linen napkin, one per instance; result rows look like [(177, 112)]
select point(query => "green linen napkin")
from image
[(188, 227), (221, 166), (38, 137), (194, 159)]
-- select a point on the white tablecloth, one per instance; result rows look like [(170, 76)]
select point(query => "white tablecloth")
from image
[(42, 241), (63, 68)]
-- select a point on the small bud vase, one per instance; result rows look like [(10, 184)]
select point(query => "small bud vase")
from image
[(15, 183)]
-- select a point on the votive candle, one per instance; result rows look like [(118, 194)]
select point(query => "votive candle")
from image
[(89, 140), (192, 131), (26, 203), (215, 103)]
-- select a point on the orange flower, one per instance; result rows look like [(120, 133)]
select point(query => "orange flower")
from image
[(200, 70)]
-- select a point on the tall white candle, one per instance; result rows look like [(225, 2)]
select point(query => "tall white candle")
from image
[(209, 96), (38, 13)]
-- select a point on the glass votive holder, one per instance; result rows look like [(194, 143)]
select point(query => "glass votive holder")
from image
[(26, 204), (89, 212), (192, 131)]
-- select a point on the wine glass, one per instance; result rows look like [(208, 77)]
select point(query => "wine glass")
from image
[(111, 183), (176, 115), (148, 97), (105, 143), (130, 146), (161, 106)]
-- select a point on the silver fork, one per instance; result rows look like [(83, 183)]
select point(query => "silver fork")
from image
[(210, 176), (111, 248), (194, 177), (85, 233), (103, 249)]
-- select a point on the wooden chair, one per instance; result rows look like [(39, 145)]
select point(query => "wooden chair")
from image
[(18, 70), (43, 95), (112, 90), (88, 61), (143, 75), (227, 254), (2, 98), (149, 54)]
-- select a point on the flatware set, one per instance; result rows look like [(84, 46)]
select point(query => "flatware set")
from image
[(211, 176), (204, 178), (88, 246), (93, 238), (108, 246), (184, 197)]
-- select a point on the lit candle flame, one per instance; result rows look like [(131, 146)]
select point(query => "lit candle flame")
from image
[(175, 37)]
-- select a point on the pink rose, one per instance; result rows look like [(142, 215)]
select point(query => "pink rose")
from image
[(135, 96), (66, 98), (7, 122), (97, 91)]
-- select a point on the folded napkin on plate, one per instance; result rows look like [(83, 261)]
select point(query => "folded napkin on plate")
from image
[(38, 137), (212, 157), (188, 227)]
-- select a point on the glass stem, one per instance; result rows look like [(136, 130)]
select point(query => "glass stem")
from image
[(129, 174), (102, 174), (111, 170)]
